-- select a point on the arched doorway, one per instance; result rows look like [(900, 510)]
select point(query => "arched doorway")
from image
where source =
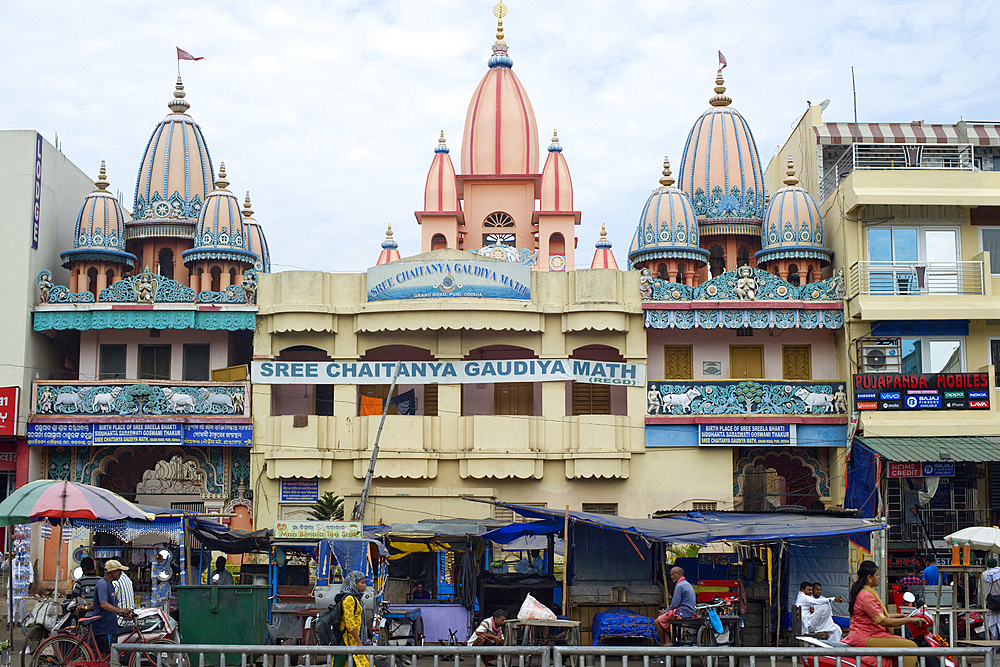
[(766, 479)]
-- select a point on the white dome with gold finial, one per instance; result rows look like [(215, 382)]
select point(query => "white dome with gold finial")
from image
[(220, 233), (793, 227), (668, 227), (100, 228)]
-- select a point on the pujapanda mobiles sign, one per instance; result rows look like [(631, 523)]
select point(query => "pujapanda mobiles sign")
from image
[(448, 372)]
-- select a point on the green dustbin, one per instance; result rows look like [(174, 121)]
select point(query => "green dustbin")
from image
[(223, 615)]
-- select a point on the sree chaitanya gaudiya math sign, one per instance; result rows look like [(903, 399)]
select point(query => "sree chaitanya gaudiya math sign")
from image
[(449, 372), (483, 279)]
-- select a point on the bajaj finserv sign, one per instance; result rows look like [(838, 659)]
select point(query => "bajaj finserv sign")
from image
[(449, 372), (482, 279)]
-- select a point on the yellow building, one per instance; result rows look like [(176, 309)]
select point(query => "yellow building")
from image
[(913, 216)]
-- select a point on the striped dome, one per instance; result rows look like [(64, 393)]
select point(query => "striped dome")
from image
[(721, 171), (390, 249), (793, 228), (556, 183), (100, 228), (175, 176), (220, 233), (501, 136), (440, 191), (256, 242), (667, 228)]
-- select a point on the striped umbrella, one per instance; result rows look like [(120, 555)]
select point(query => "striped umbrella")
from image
[(59, 499)]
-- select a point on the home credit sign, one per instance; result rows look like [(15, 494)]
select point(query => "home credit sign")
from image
[(8, 410), (926, 469), (922, 391)]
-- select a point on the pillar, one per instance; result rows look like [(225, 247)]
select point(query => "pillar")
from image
[(206, 282)]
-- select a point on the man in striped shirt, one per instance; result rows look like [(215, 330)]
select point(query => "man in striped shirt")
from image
[(126, 600)]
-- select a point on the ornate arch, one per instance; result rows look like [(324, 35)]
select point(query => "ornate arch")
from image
[(92, 464), (804, 457)]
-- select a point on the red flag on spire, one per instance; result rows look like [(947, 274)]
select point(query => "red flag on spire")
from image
[(184, 55), (722, 61)]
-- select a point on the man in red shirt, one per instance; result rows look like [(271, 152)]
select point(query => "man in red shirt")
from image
[(909, 579)]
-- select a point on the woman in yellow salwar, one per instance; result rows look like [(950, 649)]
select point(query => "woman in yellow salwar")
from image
[(352, 618)]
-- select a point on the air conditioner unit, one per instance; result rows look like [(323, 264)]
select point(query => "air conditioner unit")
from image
[(880, 355)]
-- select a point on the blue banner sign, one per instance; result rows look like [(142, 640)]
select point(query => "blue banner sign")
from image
[(139, 433), (938, 469), (299, 490), (746, 435), (448, 372), (482, 278)]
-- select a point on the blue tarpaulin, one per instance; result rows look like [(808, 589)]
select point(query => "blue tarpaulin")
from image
[(701, 527), (621, 622)]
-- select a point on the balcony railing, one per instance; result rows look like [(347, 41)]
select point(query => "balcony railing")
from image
[(109, 398), (934, 523), (916, 278), (896, 156), (745, 397)]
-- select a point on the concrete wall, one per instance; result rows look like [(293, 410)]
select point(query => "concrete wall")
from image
[(26, 354)]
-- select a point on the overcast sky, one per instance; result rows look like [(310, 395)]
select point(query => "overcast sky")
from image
[(328, 111)]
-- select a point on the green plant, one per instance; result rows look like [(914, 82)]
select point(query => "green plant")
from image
[(683, 550), (327, 507)]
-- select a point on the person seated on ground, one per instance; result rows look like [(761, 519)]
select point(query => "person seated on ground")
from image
[(221, 576), (682, 605), (489, 633), (84, 586), (821, 618), (930, 575), (804, 603), (871, 624), (419, 592), (909, 579)]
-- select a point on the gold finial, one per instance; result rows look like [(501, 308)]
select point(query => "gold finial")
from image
[(500, 11), (388, 231), (555, 137), (221, 183), (667, 179), (179, 104), (247, 208), (720, 100), (604, 232), (790, 179), (102, 178)]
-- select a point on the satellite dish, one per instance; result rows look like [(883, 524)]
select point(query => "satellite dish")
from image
[(824, 104), (875, 359)]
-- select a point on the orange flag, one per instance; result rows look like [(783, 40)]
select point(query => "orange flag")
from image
[(370, 405)]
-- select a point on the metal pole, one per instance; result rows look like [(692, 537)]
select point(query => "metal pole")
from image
[(55, 592), (359, 509), (566, 549)]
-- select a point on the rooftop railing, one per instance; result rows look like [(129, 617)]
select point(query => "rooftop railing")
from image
[(896, 156), (916, 278)]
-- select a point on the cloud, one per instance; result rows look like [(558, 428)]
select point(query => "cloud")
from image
[(329, 111)]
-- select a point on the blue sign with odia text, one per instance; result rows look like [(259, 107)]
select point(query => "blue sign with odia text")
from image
[(141, 433)]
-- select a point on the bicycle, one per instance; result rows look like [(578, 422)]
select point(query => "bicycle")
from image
[(80, 645)]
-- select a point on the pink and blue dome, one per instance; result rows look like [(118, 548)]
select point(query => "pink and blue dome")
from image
[(721, 171), (793, 228), (175, 176), (100, 228), (668, 227), (220, 233)]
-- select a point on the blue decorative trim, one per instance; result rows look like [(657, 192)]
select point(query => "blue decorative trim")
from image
[(823, 255), (765, 287), (143, 319), (61, 294), (97, 255), (243, 294), (162, 290), (140, 398), (744, 397), (752, 318), (210, 253), (500, 60)]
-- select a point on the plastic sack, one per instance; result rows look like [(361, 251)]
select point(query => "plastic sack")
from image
[(45, 613), (532, 608)]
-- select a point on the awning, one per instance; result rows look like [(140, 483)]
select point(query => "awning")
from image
[(677, 530), (917, 449), (515, 531), (978, 134)]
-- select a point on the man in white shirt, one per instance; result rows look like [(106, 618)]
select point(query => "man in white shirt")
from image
[(821, 618), (805, 604)]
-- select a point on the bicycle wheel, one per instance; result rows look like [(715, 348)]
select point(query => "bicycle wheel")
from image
[(32, 638), (161, 652), (60, 650), (706, 638)]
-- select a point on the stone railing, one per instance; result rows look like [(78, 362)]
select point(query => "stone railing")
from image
[(140, 398), (745, 397)]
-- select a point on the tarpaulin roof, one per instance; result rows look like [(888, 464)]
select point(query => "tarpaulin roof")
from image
[(919, 449), (514, 531), (233, 541), (703, 527), (677, 529)]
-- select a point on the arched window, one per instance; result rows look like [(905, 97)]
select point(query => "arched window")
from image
[(216, 278), (809, 273), (557, 245), (793, 274), (166, 260), (439, 242), (92, 281), (232, 276), (681, 269), (742, 255), (717, 260), (110, 275), (661, 272), (498, 219)]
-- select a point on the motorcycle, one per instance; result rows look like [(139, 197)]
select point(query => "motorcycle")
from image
[(919, 633)]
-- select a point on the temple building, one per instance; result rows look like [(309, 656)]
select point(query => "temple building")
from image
[(151, 316)]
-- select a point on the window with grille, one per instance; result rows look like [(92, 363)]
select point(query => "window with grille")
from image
[(154, 362), (113, 362), (591, 399), (430, 400), (498, 219), (196, 362), (601, 508), (704, 507), (508, 516)]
